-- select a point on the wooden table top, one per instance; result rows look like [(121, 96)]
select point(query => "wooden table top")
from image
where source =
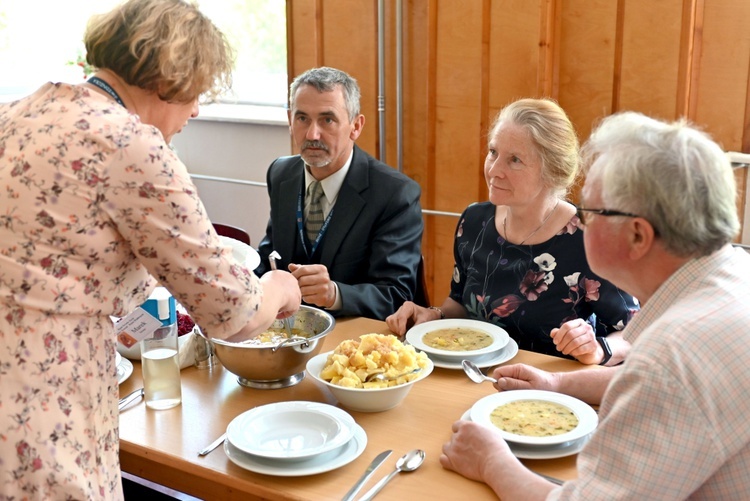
[(162, 446)]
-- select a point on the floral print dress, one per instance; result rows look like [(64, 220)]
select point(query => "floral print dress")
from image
[(531, 289), (95, 208)]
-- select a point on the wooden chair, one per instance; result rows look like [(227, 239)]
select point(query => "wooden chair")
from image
[(232, 232), (422, 297)]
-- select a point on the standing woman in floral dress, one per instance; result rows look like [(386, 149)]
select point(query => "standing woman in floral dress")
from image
[(519, 258), (96, 209)]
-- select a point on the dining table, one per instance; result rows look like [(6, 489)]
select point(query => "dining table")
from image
[(162, 445)]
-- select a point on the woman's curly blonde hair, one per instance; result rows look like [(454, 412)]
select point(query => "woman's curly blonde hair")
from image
[(165, 46)]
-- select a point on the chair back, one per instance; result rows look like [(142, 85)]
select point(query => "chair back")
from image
[(422, 297), (227, 230)]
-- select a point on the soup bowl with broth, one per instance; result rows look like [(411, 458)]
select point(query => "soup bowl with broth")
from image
[(457, 338), (535, 417)]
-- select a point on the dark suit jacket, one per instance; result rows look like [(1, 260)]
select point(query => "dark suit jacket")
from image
[(373, 243)]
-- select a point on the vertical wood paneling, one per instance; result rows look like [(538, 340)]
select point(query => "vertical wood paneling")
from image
[(587, 46), (721, 89), (651, 57), (666, 58)]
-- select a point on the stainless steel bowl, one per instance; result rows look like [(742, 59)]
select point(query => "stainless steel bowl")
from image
[(280, 365)]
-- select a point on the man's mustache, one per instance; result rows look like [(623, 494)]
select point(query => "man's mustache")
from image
[(314, 144)]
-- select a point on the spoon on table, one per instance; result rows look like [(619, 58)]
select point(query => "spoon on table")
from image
[(406, 463), (380, 376), (272, 257), (475, 373)]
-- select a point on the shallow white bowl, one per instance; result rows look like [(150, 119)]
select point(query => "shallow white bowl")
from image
[(415, 335), (587, 417), (291, 430), (361, 399), (242, 252)]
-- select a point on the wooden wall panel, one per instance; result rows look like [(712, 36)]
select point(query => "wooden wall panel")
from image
[(649, 75), (667, 58), (514, 58), (721, 90), (587, 64)]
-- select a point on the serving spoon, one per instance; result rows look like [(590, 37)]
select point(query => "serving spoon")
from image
[(272, 257), (380, 376), (406, 463), (475, 373)]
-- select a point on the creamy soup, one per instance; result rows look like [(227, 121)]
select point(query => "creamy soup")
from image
[(457, 339), (534, 418)]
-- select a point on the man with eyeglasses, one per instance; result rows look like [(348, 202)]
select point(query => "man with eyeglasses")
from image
[(659, 210)]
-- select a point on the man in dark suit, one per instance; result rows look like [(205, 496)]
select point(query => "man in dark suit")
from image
[(346, 225)]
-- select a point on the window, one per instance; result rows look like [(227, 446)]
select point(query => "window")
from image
[(40, 41)]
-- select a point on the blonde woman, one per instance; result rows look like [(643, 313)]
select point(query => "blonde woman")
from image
[(519, 258)]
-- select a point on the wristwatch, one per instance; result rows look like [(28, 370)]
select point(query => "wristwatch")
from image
[(607, 350)]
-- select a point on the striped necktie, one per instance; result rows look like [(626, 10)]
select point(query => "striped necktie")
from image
[(314, 220)]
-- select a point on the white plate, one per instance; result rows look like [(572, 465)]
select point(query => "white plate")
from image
[(587, 417), (242, 252), (291, 430), (415, 334), (482, 361), (124, 370), (311, 466), (542, 452)]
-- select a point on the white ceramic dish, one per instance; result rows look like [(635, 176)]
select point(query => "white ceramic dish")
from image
[(124, 370), (242, 252), (482, 361), (587, 417), (542, 452), (360, 399), (291, 430), (320, 463), (415, 335)]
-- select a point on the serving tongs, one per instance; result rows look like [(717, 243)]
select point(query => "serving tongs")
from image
[(292, 341)]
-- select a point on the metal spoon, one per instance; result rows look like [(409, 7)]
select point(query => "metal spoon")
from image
[(406, 463), (380, 376), (475, 373), (272, 257)]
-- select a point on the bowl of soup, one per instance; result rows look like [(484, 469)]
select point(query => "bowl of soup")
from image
[(457, 338), (535, 417)]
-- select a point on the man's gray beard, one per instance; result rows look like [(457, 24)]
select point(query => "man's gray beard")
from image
[(318, 164)]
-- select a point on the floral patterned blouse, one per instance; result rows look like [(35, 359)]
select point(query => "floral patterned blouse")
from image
[(95, 208), (530, 289)]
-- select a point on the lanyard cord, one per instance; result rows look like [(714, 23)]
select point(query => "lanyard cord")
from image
[(106, 88), (301, 228)]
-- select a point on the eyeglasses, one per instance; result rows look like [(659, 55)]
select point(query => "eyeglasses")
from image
[(580, 211)]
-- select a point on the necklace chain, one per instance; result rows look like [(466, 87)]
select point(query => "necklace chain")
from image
[(505, 229)]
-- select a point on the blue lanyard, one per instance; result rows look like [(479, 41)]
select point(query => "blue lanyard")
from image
[(301, 228), (106, 88)]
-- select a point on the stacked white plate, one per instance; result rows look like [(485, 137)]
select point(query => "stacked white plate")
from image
[(501, 349), (294, 439), (532, 447), (124, 368)]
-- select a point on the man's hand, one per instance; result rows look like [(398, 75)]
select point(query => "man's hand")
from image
[(315, 284), (525, 377)]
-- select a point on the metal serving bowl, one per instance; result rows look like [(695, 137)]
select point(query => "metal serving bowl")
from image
[(271, 366)]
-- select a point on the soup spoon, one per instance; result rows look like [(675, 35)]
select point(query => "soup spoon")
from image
[(475, 373), (406, 463)]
